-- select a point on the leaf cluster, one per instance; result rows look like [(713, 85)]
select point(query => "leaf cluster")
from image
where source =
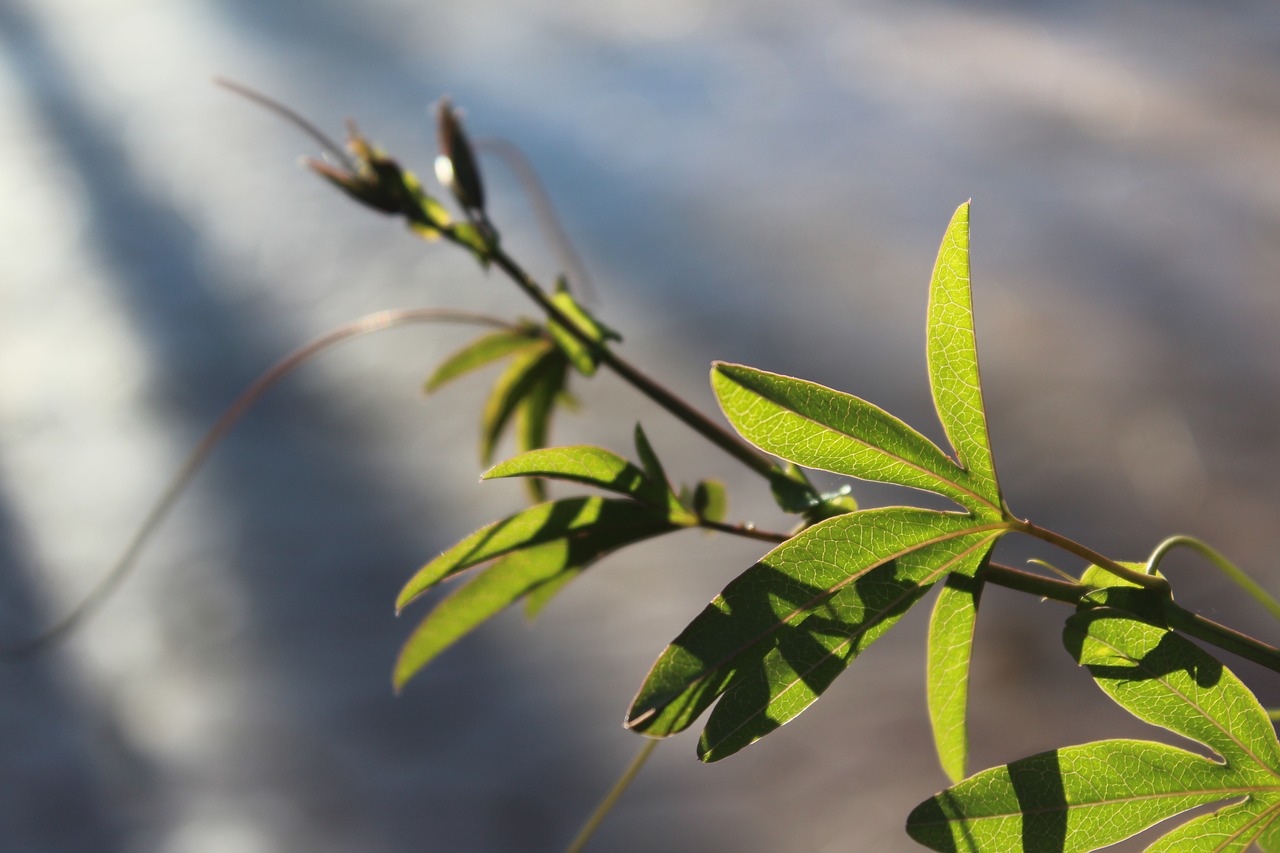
[(783, 630)]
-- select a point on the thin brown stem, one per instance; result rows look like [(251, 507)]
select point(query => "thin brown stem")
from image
[(749, 531), (1178, 618), (1085, 553), (196, 459), (290, 116)]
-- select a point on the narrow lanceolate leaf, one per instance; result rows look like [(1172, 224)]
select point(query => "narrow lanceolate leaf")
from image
[(585, 357), (591, 518), (814, 426), (482, 351), (710, 501), (950, 648), (1073, 799), (785, 628), (649, 459), (505, 582), (535, 573), (593, 466), (953, 359), (520, 378), (1090, 796), (533, 415)]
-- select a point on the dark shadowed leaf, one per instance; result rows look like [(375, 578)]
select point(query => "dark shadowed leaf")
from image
[(649, 459), (536, 573), (593, 466), (592, 518), (710, 500), (533, 415), (785, 628), (521, 378)]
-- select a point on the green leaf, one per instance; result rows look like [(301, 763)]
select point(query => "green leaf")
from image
[(1091, 796), (773, 640), (950, 648), (814, 426), (710, 501), (953, 360), (520, 379), (480, 242), (533, 415), (791, 489), (490, 592), (536, 572), (593, 466), (540, 596), (568, 519), (649, 459), (482, 351), (583, 356), (1073, 799), (832, 504)]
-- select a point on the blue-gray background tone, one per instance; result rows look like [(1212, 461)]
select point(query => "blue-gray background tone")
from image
[(759, 182)]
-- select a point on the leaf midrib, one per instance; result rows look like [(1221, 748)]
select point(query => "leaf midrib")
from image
[(810, 605), (890, 454), (1195, 706), (876, 619)]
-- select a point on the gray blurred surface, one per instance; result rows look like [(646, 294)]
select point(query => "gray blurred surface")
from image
[(757, 182)]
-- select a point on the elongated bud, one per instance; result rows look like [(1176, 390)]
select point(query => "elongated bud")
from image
[(456, 166)]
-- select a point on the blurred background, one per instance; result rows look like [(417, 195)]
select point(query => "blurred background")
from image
[(753, 181)]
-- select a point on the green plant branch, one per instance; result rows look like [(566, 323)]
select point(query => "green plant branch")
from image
[(191, 465), (543, 210), (1033, 584), (1248, 584), (696, 420), (748, 531), (1071, 546), (1178, 618), (1195, 625), (579, 842)]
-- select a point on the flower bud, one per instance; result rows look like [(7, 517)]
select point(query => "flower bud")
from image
[(456, 166)]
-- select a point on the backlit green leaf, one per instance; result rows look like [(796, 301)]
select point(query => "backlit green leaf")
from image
[(1073, 799), (1087, 797), (817, 427), (953, 359), (571, 518), (785, 628), (950, 648), (710, 501), (536, 572), (520, 379), (533, 415), (584, 356), (484, 350), (593, 466), (490, 592)]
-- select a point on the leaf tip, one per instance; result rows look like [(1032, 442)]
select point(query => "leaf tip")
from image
[(636, 722)]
